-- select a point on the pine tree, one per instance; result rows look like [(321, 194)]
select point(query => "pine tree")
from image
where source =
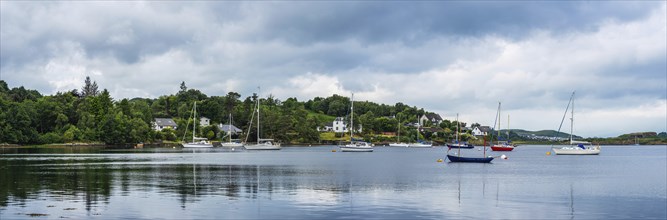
[(89, 89)]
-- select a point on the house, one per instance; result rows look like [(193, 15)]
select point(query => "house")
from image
[(162, 123), (481, 130), (338, 125), (226, 128), (204, 121), (434, 118)]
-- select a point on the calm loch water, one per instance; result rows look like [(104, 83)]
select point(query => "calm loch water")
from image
[(624, 182)]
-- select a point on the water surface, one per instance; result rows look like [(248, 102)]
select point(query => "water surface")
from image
[(623, 182)]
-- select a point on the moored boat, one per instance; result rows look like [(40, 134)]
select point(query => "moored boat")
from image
[(575, 147), (458, 158), (197, 142), (355, 145), (262, 144), (502, 145), (453, 158)]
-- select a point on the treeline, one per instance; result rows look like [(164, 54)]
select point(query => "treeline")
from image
[(90, 115)]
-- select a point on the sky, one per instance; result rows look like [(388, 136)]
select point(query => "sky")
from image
[(447, 57)]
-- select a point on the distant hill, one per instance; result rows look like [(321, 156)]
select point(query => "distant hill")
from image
[(542, 134)]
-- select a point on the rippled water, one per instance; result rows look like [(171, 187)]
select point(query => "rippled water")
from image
[(624, 182)]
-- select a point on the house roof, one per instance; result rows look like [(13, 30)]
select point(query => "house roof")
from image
[(225, 128), (484, 128), (165, 122), (432, 116)]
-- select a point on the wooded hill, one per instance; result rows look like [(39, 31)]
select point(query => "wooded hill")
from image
[(91, 115)]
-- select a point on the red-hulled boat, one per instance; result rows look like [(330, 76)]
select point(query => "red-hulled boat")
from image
[(502, 147)]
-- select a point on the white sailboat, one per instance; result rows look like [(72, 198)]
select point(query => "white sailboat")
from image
[(398, 138), (229, 142), (419, 144), (262, 143), (197, 142), (576, 147), (355, 145)]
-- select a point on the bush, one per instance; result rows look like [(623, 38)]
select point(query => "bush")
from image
[(51, 137)]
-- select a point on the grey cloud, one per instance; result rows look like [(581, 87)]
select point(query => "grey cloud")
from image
[(412, 22)]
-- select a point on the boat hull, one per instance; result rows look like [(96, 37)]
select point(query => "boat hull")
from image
[(231, 144), (189, 145), (469, 159), (468, 146), (420, 145), (501, 148), (262, 147), (356, 149), (574, 151), (398, 145)]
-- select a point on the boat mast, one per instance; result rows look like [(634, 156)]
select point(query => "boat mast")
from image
[(398, 139), (457, 133), (352, 119), (259, 90), (229, 128), (194, 121), (508, 128), (499, 122), (572, 119)]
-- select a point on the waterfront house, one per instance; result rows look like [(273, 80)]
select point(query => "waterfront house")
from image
[(434, 118), (204, 121), (481, 130), (162, 123), (338, 125)]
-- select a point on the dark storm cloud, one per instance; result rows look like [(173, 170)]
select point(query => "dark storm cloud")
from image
[(412, 22)]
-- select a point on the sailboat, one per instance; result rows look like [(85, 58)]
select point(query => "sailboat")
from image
[(458, 144), (355, 145), (398, 138), (576, 147), (197, 142), (459, 158), (229, 142), (502, 145), (419, 144), (262, 144)]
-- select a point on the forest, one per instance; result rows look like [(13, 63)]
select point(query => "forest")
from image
[(91, 115)]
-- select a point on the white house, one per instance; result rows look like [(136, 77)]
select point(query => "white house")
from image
[(204, 121), (435, 119), (481, 130), (162, 123), (338, 125)]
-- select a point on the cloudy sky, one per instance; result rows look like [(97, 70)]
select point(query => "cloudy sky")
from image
[(447, 57)]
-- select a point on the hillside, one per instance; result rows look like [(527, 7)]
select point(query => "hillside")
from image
[(542, 134)]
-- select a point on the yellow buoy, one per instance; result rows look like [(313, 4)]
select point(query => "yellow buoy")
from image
[(333, 150), (439, 160), (548, 153)]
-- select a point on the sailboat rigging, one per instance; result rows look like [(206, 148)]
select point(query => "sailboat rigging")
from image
[(576, 147), (502, 145), (197, 142), (459, 158), (355, 145), (262, 144)]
